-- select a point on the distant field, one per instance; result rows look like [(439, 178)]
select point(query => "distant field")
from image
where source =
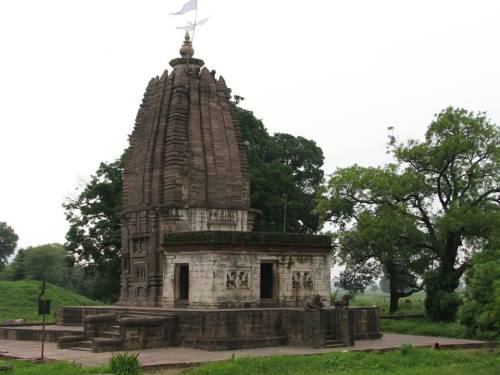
[(380, 299), (19, 300)]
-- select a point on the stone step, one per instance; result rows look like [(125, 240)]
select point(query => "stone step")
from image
[(87, 344), (81, 349), (333, 344), (331, 337), (109, 334)]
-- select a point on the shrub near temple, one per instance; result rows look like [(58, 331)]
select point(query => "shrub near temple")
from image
[(481, 309), (125, 364)]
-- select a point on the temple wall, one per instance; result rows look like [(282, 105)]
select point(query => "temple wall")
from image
[(232, 279)]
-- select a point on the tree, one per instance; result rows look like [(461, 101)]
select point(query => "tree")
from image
[(94, 234), (448, 184), (285, 174), (49, 262), (381, 242), (8, 243)]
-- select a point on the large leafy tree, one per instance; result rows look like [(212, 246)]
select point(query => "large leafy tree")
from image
[(448, 184), (8, 243), (285, 174), (94, 234), (381, 242)]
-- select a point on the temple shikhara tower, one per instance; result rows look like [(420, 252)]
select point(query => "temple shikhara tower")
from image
[(194, 273), (186, 170)]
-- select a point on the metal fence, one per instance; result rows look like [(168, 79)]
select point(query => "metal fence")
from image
[(27, 312)]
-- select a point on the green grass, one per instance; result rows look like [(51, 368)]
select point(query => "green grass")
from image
[(423, 327), (413, 362), (54, 368), (426, 327), (19, 300), (380, 299)]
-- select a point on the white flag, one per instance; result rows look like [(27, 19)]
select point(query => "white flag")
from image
[(191, 26), (188, 7)]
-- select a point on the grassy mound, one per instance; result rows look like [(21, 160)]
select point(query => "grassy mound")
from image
[(19, 300)]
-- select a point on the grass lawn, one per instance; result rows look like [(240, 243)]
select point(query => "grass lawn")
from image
[(407, 361), (380, 299), (423, 327), (19, 300), (411, 362), (426, 327), (55, 368)]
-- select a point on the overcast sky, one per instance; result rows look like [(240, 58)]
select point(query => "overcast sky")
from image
[(73, 73)]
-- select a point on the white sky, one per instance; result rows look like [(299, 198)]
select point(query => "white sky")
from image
[(72, 76)]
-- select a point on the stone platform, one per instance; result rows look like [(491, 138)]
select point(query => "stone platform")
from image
[(34, 333), (184, 357), (116, 327)]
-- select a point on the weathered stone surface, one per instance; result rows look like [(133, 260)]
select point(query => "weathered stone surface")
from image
[(223, 329)]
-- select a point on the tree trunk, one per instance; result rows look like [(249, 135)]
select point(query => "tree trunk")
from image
[(392, 273), (394, 302), (441, 303)]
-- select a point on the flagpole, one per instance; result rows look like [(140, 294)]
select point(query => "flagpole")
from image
[(195, 21)]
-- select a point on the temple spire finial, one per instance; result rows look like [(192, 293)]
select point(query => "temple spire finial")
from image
[(187, 48)]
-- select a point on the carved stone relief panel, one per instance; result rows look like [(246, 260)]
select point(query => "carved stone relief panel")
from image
[(237, 279), (302, 280)]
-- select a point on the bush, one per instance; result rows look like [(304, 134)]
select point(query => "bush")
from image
[(440, 304), (125, 364), (481, 309)]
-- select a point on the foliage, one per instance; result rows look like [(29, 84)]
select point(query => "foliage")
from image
[(285, 171), (380, 241), (49, 262), (447, 184), (19, 299), (481, 309), (8, 243), (411, 362), (94, 234), (440, 304), (125, 364), (52, 368)]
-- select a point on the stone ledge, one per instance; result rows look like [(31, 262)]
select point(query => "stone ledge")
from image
[(247, 238)]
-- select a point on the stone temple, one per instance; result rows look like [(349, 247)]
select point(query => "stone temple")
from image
[(193, 271), (187, 171)]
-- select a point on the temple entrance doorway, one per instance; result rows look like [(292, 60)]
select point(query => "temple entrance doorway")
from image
[(268, 280), (181, 284)]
